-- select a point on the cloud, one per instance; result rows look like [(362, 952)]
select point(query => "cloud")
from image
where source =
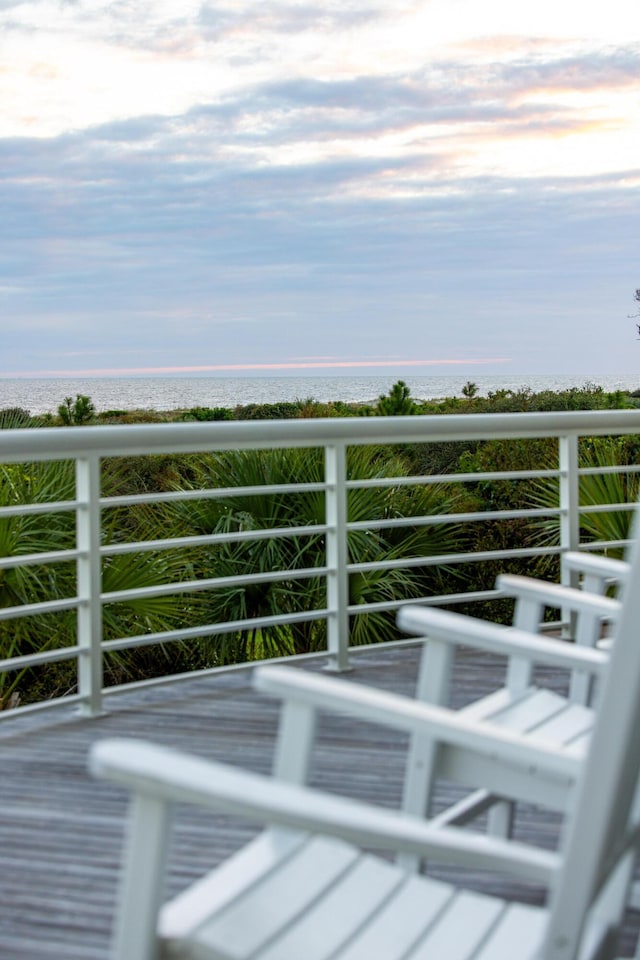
[(431, 209), (589, 70)]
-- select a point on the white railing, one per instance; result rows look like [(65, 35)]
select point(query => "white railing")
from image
[(90, 447)]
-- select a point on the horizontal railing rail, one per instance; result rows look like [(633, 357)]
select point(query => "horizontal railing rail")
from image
[(310, 573)]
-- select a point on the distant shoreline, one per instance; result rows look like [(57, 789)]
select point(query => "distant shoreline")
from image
[(42, 396)]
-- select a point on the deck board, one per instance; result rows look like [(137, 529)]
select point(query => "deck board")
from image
[(61, 832)]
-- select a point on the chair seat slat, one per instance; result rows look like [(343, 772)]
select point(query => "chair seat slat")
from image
[(461, 929), (545, 714), (215, 890), (335, 918), (328, 900), (271, 903), (401, 922), (528, 710), (520, 924), (566, 725)]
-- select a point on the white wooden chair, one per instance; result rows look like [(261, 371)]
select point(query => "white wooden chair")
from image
[(305, 890), (521, 703)]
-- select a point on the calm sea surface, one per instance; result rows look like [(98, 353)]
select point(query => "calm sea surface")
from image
[(169, 393)]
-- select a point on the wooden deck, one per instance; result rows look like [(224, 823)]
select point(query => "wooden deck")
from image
[(61, 832)]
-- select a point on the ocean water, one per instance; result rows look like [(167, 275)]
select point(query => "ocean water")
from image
[(40, 396)]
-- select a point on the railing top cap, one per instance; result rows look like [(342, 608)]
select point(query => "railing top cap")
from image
[(121, 439)]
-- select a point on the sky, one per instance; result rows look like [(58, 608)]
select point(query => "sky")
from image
[(231, 187)]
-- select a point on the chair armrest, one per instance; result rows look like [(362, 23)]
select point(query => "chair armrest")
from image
[(617, 570), (175, 777), (520, 751), (456, 628), (557, 595)]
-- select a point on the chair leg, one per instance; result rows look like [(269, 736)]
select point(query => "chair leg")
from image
[(500, 819)]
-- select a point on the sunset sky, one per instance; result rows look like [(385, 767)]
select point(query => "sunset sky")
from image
[(441, 186)]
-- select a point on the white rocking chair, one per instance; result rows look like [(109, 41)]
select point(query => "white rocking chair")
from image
[(521, 704), (305, 890)]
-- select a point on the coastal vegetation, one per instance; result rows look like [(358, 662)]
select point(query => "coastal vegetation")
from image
[(300, 591), (397, 402), (304, 551)]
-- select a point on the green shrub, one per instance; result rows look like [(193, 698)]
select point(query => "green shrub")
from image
[(12, 418), (209, 413)]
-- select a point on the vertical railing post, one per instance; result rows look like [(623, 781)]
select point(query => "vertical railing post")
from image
[(569, 518), (569, 502), (89, 584), (337, 557)]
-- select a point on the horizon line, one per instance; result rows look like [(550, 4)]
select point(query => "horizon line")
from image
[(237, 367)]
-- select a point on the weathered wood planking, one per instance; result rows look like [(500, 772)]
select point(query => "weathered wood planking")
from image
[(61, 832)]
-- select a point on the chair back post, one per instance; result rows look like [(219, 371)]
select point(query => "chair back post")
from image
[(528, 615), (599, 831)]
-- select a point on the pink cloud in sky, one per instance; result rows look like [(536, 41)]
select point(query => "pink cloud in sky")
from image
[(309, 364)]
